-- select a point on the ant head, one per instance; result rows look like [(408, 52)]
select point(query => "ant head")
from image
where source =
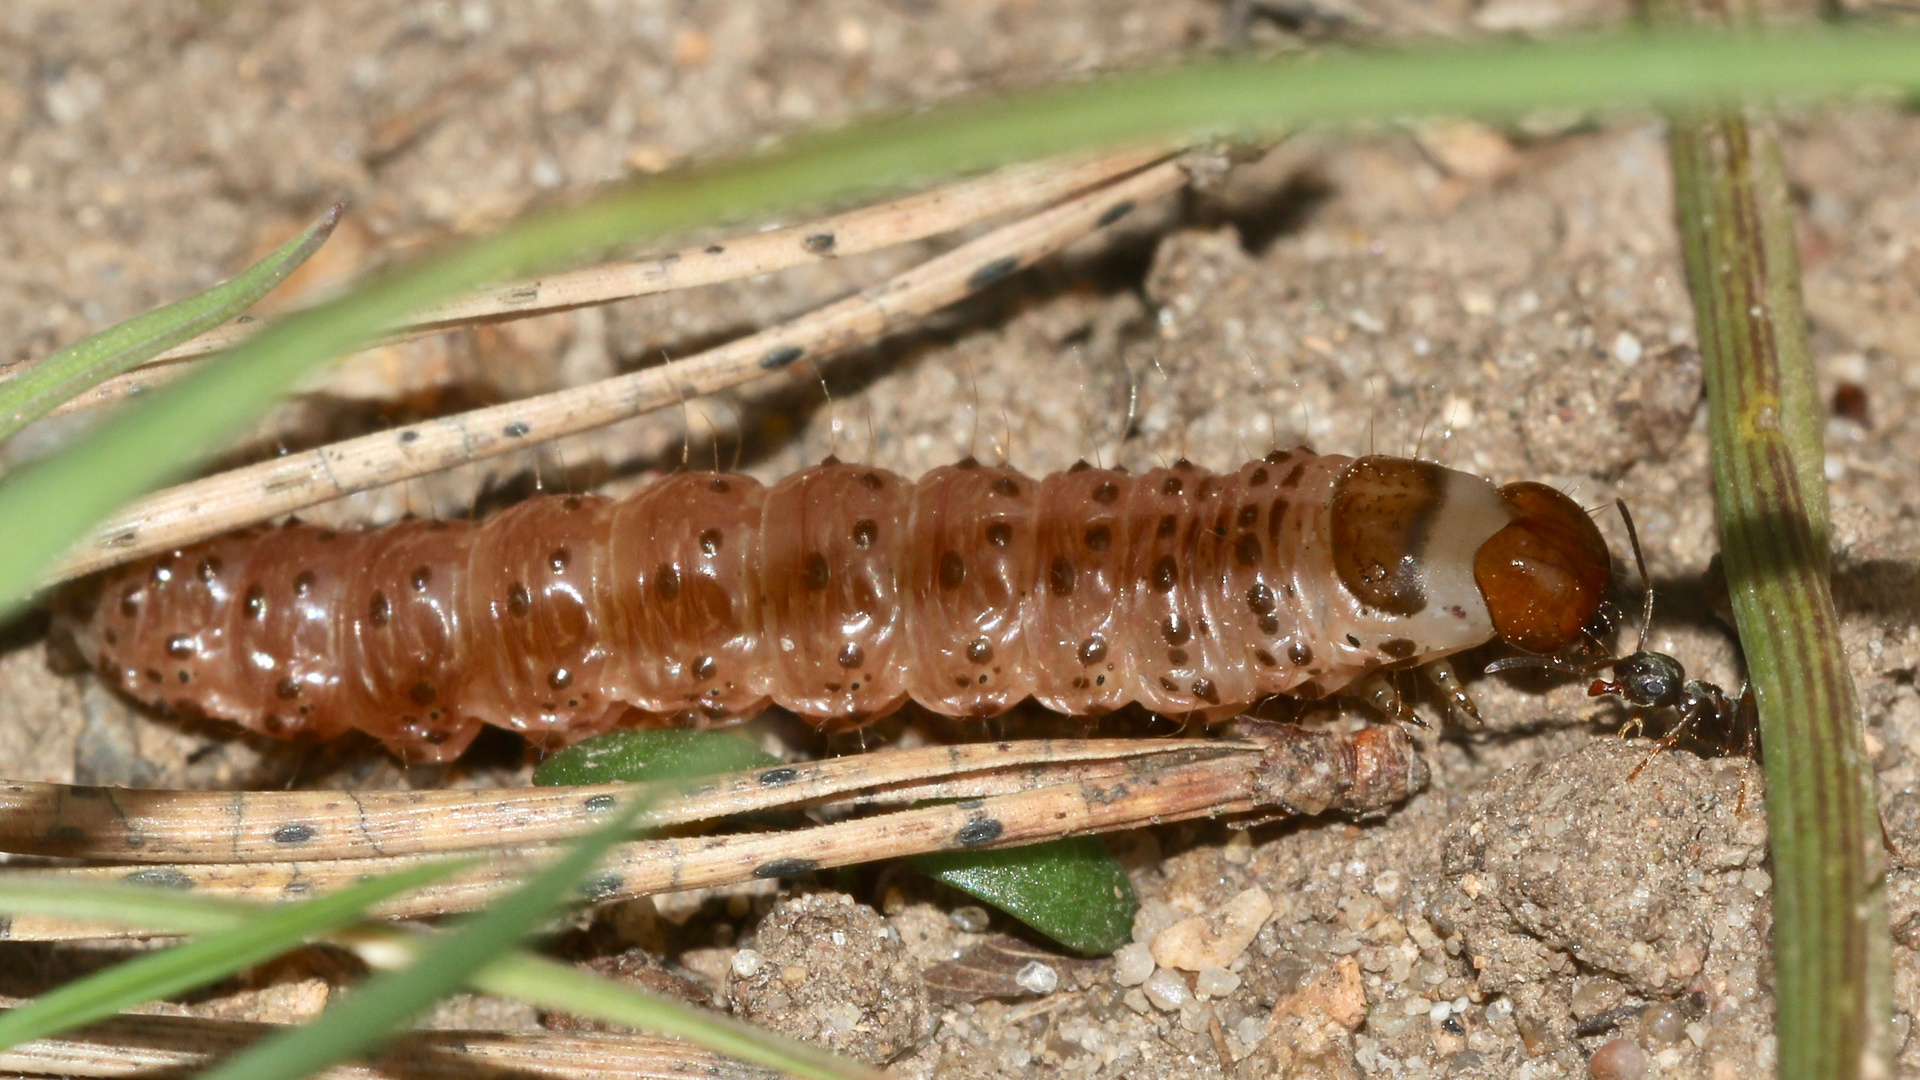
[(1647, 680)]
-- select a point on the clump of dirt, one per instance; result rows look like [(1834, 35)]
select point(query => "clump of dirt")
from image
[(824, 968)]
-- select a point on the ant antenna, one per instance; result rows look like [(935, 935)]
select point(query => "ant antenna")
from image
[(1640, 561)]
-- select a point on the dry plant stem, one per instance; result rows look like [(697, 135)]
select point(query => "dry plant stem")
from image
[(144, 826), (145, 1045), (1280, 770), (203, 508), (856, 232), (1831, 949)]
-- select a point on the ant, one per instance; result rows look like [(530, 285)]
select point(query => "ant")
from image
[(1648, 680)]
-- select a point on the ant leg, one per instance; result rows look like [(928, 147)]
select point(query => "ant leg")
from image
[(1441, 674), (1379, 691), (1636, 723)]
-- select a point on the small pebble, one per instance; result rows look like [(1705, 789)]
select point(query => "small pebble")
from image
[(971, 918), (1250, 1031), (1216, 982), (1627, 348), (1214, 941), (747, 963), (1663, 1021), (1195, 1017), (1137, 1001), (1620, 1059), (1166, 990), (1239, 849), (1440, 1011), (1037, 978), (1132, 964)]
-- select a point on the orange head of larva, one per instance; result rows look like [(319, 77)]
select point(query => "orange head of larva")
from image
[(1545, 574)]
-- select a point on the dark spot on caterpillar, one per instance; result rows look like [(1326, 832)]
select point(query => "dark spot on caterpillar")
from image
[(979, 830), (1106, 493), (327, 536), (1269, 625), (303, 583), (872, 481), (1206, 691), (1169, 685), (865, 531), (1300, 653), (1293, 475), (294, 834), (666, 582), (180, 646), (816, 571), (1353, 641), (1079, 466), (112, 636), (187, 708), (1006, 486), (518, 600), (153, 675), (559, 679), (1249, 516), (1093, 650), (710, 540), (1060, 576), (1456, 611), (378, 610), (785, 868), (953, 570), (571, 503), (819, 243), (1398, 648), (422, 577), (781, 357), (1175, 630), (1260, 600), (1098, 538), (980, 651), (1177, 657), (999, 534), (1257, 478), (1168, 523), (704, 667), (558, 558), (1172, 485), (779, 777), (209, 568), (719, 486), (1309, 689), (1265, 658), (516, 429), (598, 804), (993, 272), (1246, 550), (1184, 465), (1164, 574), (1113, 213), (287, 688), (164, 877), (851, 656)]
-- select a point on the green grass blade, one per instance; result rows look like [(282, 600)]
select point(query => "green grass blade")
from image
[(163, 974), (158, 909), (553, 985), (1832, 954), (51, 505), (640, 755), (37, 390), (1074, 891)]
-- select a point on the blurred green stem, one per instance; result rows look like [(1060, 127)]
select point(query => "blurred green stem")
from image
[(1831, 951)]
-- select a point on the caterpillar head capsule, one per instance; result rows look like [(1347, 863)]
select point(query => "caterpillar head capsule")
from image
[(1545, 574)]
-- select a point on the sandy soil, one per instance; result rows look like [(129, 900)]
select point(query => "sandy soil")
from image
[(1509, 300)]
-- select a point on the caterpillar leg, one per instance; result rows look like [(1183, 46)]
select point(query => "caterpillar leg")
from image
[(1444, 679), (1378, 690)]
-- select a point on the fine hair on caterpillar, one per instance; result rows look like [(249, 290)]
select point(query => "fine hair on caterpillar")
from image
[(844, 590)]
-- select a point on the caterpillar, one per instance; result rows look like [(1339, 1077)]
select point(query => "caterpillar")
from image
[(844, 590)]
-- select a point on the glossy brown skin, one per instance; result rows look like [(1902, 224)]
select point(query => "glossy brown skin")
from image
[(1545, 575), (838, 593)]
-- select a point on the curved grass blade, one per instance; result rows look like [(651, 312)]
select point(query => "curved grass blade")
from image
[(40, 388), (1074, 890), (255, 940), (639, 755), (50, 505), (553, 985)]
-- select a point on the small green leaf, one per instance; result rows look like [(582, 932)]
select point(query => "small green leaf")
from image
[(1074, 891), (164, 974), (639, 755), (91, 361)]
